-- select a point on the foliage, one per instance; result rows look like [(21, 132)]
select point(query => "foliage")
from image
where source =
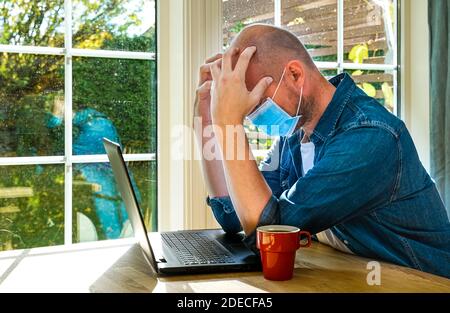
[(121, 89), (237, 27), (359, 53), (38, 220)]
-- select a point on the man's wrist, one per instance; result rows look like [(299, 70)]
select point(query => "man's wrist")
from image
[(206, 121), (201, 120), (225, 131), (223, 123)]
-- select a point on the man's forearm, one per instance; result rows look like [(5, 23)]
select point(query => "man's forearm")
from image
[(246, 185), (212, 167)]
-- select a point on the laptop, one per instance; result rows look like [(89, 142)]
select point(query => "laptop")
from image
[(179, 252)]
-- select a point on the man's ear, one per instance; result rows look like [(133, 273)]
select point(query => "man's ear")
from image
[(297, 71)]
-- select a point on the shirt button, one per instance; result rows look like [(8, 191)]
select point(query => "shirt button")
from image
[(346, 242)]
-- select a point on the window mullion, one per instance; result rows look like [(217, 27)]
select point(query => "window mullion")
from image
[(326, 65), (31, 50), (277, 13), (397, 108), (68, 123), (114, 54), (340, 35), (35, 160), (103, 158), (395, 90), (367, 66)]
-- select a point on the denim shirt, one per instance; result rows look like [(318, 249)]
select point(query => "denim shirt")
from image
[(367, 185)]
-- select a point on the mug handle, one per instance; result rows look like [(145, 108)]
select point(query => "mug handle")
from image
[(308, 236)]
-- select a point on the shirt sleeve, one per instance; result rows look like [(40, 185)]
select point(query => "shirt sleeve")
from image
[(225, 215), (222, 207), (357, 173)]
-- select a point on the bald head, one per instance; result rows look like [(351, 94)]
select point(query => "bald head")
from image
[(275, 47)]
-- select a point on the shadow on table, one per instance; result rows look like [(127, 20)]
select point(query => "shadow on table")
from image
[(130, 273)]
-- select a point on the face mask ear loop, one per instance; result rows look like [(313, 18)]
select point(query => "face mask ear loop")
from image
[(300, 101), (279, 84)]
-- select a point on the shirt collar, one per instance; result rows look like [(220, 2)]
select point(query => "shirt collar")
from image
[(327, 124)]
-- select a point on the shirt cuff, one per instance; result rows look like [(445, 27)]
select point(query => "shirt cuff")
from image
[(269, 216), (224, 202), (225, 214)]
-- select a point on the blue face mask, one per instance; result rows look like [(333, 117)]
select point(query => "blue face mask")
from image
[(272, 119)]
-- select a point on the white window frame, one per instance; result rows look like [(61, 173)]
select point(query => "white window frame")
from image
[(188, 32), (341, 65), (415, 73), (68, 159)]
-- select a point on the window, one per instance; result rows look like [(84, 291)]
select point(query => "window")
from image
[(71, 73), (358, 37)]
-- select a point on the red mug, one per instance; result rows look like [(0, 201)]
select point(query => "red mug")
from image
[(278, 245)]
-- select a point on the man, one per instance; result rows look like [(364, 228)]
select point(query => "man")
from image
[(343, 168)]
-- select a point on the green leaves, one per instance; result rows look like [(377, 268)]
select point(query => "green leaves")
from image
[(32, 22), (124, 90), (369, 89), (388, 94), (359, 53), (237, 27)]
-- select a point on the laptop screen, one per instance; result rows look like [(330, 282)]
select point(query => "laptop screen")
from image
[(124, 185)]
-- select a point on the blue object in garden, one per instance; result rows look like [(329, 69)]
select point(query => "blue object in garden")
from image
[(93, 126)]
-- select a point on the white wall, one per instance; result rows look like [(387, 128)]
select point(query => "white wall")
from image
[(415, 74), (188, 32)]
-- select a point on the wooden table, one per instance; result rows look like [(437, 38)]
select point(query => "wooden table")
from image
[(118, 266)]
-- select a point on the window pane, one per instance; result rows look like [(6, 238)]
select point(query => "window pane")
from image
[(32, 23), (377, 84), (237, 14), (369, 33), (328, 73), (114, 98), (31, 98), (315, 24), (99, 212), (127, 25), (259, 142), (31, 206)]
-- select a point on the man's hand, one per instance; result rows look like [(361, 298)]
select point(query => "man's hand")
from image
[(202, 105), (231, 101)]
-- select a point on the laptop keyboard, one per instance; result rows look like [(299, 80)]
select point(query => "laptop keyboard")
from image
[(196, 248)]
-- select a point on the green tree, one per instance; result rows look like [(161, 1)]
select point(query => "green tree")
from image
[(121, 89)]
